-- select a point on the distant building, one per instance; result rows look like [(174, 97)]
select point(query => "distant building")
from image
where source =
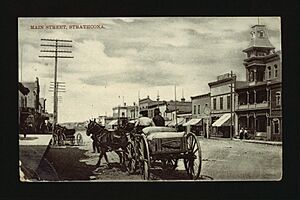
[(167, 108), (200, 114), (32, 108), (32, 98), (143, 105), (132, 112), (259, 106), (221, 101), (120, 111)]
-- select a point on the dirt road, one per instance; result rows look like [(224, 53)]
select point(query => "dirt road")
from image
[(222, 159)]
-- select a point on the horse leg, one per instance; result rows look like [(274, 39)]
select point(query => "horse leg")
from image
[(120, 157), (100, 157), (105, 156), (95, 147)]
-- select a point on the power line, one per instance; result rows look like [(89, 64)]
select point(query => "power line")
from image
[(58, 53)]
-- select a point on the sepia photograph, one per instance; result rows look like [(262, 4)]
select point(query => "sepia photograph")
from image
[(130, 99)]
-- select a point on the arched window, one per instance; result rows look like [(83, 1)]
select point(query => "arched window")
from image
[(275, 71), (278, 98), (269, 72), (251, 75)]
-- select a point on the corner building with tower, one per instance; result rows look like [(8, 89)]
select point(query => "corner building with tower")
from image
[(259, 105)]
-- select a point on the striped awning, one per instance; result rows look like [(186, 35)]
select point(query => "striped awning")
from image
[(180, 121), (222, 120), (192, 122), (113, 122)]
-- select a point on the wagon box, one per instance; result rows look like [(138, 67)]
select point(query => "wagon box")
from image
[(166, 142)]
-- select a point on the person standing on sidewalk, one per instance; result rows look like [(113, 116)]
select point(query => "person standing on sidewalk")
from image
[(246, 134), (241, 133)]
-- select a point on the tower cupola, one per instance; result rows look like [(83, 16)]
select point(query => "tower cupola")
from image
[(260, 44)]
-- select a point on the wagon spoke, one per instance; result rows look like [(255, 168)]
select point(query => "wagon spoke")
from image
[(194, 143), (194, 151)]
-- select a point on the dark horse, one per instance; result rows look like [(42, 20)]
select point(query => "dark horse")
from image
[(106, 140)]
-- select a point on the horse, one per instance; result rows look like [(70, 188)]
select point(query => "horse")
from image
[(106, 140)]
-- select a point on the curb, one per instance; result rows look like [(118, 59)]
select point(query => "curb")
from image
[(263, 142), (247, 141)]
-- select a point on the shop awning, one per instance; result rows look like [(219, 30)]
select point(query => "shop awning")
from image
[(167, 123), (192, 122), (222, 120), (180, 121), (113, 122)]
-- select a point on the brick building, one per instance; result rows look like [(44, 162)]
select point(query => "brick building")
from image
[(259, 99)]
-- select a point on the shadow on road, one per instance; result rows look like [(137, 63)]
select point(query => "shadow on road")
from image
[(64, 164)]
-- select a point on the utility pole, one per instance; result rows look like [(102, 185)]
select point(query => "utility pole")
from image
[(57, 44), (60, 87), (138, 108), (175, 110), (231, 89)]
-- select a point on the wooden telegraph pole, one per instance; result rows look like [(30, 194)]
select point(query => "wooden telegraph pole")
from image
[(55, 46), (176, 127)]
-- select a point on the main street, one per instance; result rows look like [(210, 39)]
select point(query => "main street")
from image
[(222, 159)]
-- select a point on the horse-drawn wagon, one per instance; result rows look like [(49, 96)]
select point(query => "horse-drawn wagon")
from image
[(163, 146), (144, 150), (63, 136)]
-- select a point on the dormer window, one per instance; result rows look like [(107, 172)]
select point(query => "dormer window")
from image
[(261, 33)]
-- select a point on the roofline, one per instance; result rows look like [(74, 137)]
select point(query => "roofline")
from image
[(221, 81), (201, 95), (259, 47)]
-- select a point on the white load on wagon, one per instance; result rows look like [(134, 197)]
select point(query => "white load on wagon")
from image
[(153, 129), (165, 135)]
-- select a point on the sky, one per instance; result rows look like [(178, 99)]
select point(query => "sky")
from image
[(134, 57)]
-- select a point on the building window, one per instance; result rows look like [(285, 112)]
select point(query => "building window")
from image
[(195, 108), (251, 75), (276, 126), (228, 102), (261, 34), (221, 103), (278, 98), (275, 71), (215, 104), (269, 72), (198, 109)]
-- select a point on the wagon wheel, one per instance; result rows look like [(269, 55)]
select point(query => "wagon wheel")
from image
[(130, 158), (145, 158), (54, 139), (193, 160), (61, 139), (79, 139), (73, 141)]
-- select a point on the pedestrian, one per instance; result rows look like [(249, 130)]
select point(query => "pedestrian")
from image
[(241, 133), (245, 134), (158, 119)]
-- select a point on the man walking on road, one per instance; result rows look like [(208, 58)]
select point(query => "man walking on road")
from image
[(158, 119)]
